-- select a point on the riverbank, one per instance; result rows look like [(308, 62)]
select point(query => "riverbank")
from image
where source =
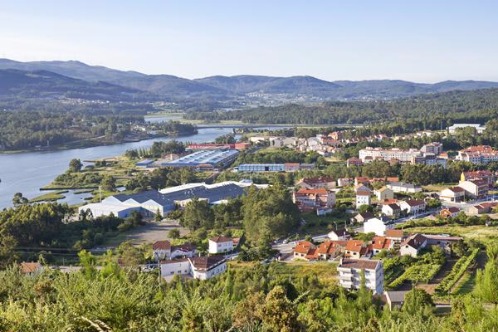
[(93, 142)]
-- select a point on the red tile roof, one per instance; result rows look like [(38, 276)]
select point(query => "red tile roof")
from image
[(161, 245), (380, 243), (396, 233), (303, 247), (354, 245), (206, 263), (319, 191), (415, 202), (457, 189), (220, 239), (30, 267)]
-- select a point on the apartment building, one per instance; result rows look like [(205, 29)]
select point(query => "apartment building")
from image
[(352, 270)]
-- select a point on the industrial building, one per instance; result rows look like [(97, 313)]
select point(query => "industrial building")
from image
[(287, 167), (149, 203), (203, 158)]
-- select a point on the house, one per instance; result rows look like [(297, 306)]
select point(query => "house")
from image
[(185, 250), (402, 187), (380, 243), (330, 249), (375, 225), (384, 193), (326, 250), (362, 195), (202, 268), (362, 217), (489, 176), (449, 212), (343, 182), (391, 210), (364, 180), (444, 241), (485, 207), (31, 268), (356, 249), (353, 161), (220, 244), (351, 272), (339, 235), (475, 188), (395, 299), (413, 206), (162, 250), (395, 235), (313, 199), (412, 245), (453, 194), (317, 183), (173, 267), (302, 249)]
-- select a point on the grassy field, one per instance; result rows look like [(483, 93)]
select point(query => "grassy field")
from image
[(49, 197), (438, 187), (317, 225), (481, 234), (326, 272)]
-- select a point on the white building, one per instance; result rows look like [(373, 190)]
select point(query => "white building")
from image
[(412, 245), (161, 250), (363, 195), (453, 129), (220, 244), (370, 154), (351, 270), (453, 194), (480, 155), (402, 187), (185, 250), (202, 268), (412, 206)]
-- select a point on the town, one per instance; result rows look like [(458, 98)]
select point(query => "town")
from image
[(386, 227)]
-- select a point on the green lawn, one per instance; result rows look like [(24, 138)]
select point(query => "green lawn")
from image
[(49, 197), (316, 225), (326, 272)]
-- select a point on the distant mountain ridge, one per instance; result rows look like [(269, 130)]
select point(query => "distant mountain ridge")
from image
[(113, 84), (45, 84)]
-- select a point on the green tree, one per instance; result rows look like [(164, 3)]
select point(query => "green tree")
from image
[(88, 262), (19, 199), (198, 214), (277, 312), (75, 165), (417, 301), (174, 233), (108, 183)]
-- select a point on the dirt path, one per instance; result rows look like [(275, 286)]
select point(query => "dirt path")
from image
[(443, 272)]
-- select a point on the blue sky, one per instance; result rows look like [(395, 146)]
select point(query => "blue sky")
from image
[(423, 41)]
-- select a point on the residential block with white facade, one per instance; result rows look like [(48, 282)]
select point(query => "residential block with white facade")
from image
[(351, 271)]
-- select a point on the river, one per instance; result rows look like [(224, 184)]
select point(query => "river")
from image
[(28, 172)]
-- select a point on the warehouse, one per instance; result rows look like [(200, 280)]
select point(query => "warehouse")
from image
[(214, 158)]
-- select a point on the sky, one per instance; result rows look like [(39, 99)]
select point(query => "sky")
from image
[(421, 41)]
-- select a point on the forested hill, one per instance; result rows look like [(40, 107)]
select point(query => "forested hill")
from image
[(455, 106), (41, 84), (234, 91)]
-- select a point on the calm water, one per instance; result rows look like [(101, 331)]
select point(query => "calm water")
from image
[(27, 172)]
